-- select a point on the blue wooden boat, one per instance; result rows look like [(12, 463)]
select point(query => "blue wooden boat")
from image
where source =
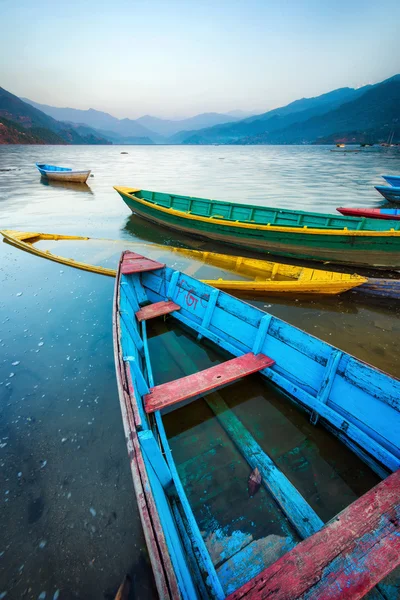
[(391, 193), (393, 180), (218, 464), (55, 173), (381, 288)]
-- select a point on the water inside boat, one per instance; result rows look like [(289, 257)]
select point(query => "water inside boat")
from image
[(106, 253), (245, 533)]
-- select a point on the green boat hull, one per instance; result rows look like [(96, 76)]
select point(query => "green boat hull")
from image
[(366, 250)]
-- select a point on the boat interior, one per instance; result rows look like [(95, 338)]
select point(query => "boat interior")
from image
[(259, 215), (52, 168), (240, 475)]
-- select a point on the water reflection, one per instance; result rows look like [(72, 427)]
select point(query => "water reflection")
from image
[(64, 384), (67, 185)]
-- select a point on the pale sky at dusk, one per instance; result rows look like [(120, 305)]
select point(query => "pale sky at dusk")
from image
[(178, 58)]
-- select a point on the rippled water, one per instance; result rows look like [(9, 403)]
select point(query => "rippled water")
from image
[(68, 516)]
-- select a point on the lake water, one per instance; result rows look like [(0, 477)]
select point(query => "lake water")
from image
[(68, 518)]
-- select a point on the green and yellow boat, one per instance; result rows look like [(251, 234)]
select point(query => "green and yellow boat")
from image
[(313, 236)]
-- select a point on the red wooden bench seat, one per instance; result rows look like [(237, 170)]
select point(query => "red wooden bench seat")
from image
[(156, 310), (135, 263), (342, 561), (205, 381)]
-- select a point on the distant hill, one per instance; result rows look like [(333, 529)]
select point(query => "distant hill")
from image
[(167, 127), (41, 126), (366, 115), (278, 118), (99, 120), (12, 133), (152, 128), (241, 114), (372, 115)]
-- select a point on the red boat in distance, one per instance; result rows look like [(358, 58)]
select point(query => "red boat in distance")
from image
[(374, 213)]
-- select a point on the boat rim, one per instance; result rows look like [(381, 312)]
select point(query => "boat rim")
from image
[(129, 192)]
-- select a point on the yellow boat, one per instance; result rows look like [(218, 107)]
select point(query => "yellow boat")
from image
[(261, 275)]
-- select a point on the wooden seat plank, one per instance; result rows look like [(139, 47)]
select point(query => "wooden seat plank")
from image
[(342, 561), (205, 381), (136, 263), (156, 310)]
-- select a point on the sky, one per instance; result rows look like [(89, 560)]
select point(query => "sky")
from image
[(178, 58)]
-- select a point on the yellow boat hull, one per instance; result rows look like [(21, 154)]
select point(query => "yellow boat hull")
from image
[(263, 276)]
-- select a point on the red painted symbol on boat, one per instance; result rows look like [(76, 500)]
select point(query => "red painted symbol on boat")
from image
[(190, 299)]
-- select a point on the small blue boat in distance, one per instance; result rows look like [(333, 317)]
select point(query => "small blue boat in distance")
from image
[(56, 173), (225, 514), (389, 192), (393, 180)]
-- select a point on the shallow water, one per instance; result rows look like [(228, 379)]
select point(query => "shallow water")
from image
[(213, 468), (68, 519)]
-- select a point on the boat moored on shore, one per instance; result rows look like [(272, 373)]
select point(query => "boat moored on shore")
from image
[(56, 173), (281, 232), (194, 551), (372, 213), (389, 192), (393, 180)]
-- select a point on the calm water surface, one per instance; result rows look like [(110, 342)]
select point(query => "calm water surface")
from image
[(68, 519)]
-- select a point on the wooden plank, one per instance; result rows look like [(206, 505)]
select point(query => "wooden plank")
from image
[(157, 309), (204, 561), (191, 558), (164, 575), (327, 381), (153, 453), (205, 381), (344, 560), (136, 263), (300, 395), (296, 509), (201, 552), (261, 333)]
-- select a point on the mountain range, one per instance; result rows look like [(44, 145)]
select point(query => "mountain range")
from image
[(153, 128), (364, 115), (369, 113)]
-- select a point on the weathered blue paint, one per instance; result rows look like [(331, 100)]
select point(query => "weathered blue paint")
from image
[(389, 192), (209, 311), (393, 180), (200, 548), (153, 453), (381, 288), (359, 403), (175, 548), (247, 563), (261, 333), (43, 168), (327, 381), (184, 533), (297, 510), (358, 561), (137, 374)]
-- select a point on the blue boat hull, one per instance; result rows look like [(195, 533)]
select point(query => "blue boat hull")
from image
[(55, 173), (359, 403), (392, 194), (393, 180)]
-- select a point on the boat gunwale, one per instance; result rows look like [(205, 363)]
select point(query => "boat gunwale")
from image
[(60, 170), (164, 574), (392, 232), (325, 287), (310, 538)]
